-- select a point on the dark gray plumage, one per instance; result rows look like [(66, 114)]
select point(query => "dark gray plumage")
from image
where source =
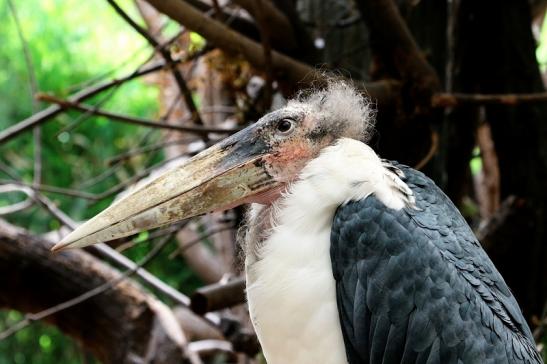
[(415, 286)]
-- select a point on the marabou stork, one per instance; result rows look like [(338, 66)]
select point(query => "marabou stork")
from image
[(349, 258)]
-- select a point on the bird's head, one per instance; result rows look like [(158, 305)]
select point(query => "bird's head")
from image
[(253, 165)]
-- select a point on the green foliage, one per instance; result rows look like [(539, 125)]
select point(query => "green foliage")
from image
[(39, 343), (541, 50), (72, 42)]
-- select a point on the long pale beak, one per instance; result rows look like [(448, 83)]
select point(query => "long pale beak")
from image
[(223, 176)]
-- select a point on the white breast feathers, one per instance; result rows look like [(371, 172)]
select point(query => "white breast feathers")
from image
[(290, 287)]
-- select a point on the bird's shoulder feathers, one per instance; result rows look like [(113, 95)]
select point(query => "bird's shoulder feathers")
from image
[(414, 284)]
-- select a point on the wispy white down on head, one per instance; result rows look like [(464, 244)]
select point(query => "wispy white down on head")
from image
[(342, 106)]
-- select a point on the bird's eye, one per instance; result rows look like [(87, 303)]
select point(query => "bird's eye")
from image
[(285, 126)]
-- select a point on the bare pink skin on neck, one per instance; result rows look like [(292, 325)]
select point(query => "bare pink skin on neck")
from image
[(267, 197), (282, 167)]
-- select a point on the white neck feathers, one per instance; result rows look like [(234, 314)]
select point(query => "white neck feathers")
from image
[(290, 287)]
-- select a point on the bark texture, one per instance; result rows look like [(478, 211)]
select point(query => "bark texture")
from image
[(122, 325), (498, 56)]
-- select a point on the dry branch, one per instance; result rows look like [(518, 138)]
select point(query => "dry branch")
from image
[(166, 54), (283, 39), (112, 255), (199, 130), (487, 182), (497, 233), (218, 296), (395, 43), (198, 257), (306, 50), (33, 85), (261, 15), (278, 24), (117, 326), (458, 99), (82, 95), (285, 68)]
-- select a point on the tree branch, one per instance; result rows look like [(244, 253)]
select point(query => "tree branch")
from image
[(124, 317), (393, 40), (262, 19), (218, 296), (33, 85), (459, 99), (199, 130), (275, 19), (285, 68), (82, 95), (184, 90), (306, 50)]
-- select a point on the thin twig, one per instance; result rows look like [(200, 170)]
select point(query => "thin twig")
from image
[(12, 173), (456, 99), (86, 115), (86, 195), (37, 131), (111, 254), (217, 10), (128, 60), (53, 189), (199, 130), (54, 110), (147, 148), (430, 153), (183, 87), (113, 168), (32, 317), (267, 49), (154, 235), (204, 236), (84, 94), (18, 206)]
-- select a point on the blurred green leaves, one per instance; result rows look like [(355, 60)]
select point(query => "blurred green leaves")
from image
[(37, 344), (72, 42)]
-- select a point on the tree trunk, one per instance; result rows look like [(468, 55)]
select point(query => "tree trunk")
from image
[(496, 39)]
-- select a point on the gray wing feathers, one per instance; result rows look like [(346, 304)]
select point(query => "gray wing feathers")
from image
[(414, 286)]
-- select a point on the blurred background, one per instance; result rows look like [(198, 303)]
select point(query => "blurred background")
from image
[(99, 97)]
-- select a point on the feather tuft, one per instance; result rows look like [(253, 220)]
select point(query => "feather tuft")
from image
[(344, 107)]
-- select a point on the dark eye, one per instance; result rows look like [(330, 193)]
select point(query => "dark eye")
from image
[(285, 126)]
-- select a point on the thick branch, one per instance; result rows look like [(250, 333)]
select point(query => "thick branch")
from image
[(218, 296), (497, 234), (285, 68), (277, 22), (393, 40), (306, 49), (127, 322), (243, 25)]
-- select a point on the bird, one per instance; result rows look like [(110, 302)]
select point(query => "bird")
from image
[(350, 258)]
